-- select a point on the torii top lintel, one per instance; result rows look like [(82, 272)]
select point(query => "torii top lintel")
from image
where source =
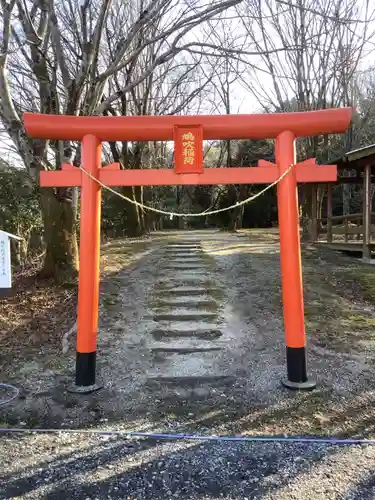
[(160, 128)]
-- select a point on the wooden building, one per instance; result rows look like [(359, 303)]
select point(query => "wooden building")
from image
[(349, 232)]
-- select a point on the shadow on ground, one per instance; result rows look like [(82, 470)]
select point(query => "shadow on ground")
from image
[(251, 402)]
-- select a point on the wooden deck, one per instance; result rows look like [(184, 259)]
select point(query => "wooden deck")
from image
[(350, 246)]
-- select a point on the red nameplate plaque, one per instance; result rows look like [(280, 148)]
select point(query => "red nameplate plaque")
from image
[(188, 149)]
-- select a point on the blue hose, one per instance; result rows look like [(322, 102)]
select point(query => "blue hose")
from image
[(197, 437), (15, 394), (186, 437)]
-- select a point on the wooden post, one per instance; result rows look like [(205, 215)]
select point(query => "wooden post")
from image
[(314, 212), (291, 271), (329, 213), (346, 226), (366, 252), (359, 224)]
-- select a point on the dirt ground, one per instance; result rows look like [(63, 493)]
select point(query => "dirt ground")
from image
[(191, 340)]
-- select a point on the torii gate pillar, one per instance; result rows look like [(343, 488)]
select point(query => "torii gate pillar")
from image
[(89, 266), (284, 127), (291, 269)]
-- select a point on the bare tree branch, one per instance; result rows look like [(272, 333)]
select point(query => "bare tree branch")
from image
[(7, 106), (336, 17)]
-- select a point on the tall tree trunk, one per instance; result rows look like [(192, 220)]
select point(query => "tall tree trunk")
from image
[(236, 214), (320, 201), (60, 236), (306, 193), (180, 222), (133, 223), (138, 191), (16, 252), (306, 212), (236, 218)]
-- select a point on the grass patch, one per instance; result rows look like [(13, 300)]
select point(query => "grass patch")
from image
[(336, 288), (108, 301), (117, 255), (364, 276)]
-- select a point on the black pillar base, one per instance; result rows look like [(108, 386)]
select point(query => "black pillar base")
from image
[(296, 367), (85, 373), (83, 389), (299, 386)]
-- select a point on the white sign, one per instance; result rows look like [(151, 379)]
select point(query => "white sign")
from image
[(5, 265)]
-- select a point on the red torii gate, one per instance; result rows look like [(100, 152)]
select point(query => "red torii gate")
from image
[(92, 131)]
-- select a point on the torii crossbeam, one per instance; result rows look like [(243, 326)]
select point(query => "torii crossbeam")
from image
[(188, 132)]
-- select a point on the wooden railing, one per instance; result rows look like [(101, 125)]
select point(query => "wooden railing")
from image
[(350, 226), (358, 226)]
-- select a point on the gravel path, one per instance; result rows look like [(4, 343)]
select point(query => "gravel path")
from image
[(68, 468), (191, 340)]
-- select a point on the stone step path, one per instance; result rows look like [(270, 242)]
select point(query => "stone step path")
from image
[(180, 266), (187, 336), (208, 333), (184, 350), (194, 302), (179, 315), (187, 291)]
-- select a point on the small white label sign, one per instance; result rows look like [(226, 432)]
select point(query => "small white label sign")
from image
[(5, 267)]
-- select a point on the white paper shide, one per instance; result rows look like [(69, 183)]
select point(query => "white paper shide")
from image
[(5, 261)]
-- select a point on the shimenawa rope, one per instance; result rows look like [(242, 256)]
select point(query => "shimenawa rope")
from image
[(200, 214)]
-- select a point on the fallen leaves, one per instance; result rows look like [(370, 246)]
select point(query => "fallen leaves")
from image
[(36, 312)]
